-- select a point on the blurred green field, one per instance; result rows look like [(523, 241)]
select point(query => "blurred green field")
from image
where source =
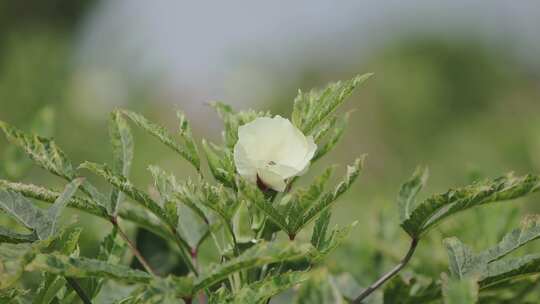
[(464, 109)]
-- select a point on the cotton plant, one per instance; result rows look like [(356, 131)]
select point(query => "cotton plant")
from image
[(245, 200)]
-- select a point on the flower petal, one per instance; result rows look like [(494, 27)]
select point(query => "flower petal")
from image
[(271, 179), (245, 166)]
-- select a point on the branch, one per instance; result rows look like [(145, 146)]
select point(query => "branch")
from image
[(80, 292), (132, 247), (387, 276)]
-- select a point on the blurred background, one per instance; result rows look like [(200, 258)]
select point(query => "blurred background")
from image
[(456, 87)]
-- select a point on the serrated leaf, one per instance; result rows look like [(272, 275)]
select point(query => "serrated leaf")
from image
[(79, 267), (232, 120), (336, 237), (507, 269), (336, 133), (438, 207), (241, 223), (465, 263), (49, 196), (297, 203), (408, 192), (162, 135), (13, 257), (16, 164), (43, 151), (259, 292), (122, 149), (125, 186), (184, 130), (312, 108), (24, 211), (135, 214), (111, 250), (459, 291), (191, 226), (12, 296), (256, 197), (318, 236), (460, 257), (260, 254), (529, 231), (8, 236), (66, 242), (329, 198), (221, 163), (60, 203)]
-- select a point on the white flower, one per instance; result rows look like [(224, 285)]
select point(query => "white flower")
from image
[(271, 151)]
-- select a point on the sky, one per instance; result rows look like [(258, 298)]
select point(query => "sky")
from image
[(210, 50)]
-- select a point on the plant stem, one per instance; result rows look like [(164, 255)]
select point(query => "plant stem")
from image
[(388, 275), (80, 292), (132, 247)]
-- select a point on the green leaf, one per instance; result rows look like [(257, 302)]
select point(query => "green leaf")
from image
[(60, 203), (319, 289), (24, 211), (297, 203), (191, 226), (260, 254), (328, 244), (16, 164), (122, 149), (111, 250), (65, 243), (48, 288), (79, 267), (408, 192), (163, 135), (49, 196), (232, 120), (8, 236), (329, 198), (318, 237), (337, 130), (242, 224), (125, 186), (507, 269), (459, 291), (135, 214), (259, 292), (12, 296), (465, 263), (312, 108), (184, 130), (411, 289), (12, 260), (221, 163), (438, 207), (43, 151), (529, 231), (460, 257), (256, 197)]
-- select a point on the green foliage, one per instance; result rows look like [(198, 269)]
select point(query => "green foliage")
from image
[(312, 108), (249, 260), (460, 291), (438, 207), (122, 148), (44, 152), (188, 152)]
